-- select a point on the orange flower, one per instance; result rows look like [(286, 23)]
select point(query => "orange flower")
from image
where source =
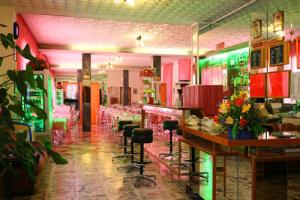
[(216, 119), (239, 102), (243, 122)]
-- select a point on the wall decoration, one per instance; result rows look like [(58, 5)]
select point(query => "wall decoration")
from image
[(257, 58), (278, 84), (278, 21), (257, 29), (258, 85), (278, 53)]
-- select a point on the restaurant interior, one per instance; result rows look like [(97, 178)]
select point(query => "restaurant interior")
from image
[(160, 99)]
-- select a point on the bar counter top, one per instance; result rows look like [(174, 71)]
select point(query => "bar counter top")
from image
[(265, 140), (169, 107)]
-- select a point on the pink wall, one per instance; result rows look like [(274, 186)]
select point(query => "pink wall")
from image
[(26, 37)]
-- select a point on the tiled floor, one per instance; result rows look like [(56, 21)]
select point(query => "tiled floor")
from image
[(91, 175)]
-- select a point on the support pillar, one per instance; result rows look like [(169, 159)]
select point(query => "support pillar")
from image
[(86, 92), (126, 94)]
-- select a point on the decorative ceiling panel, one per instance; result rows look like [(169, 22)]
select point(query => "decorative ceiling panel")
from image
[(73, 31), (152, 11)]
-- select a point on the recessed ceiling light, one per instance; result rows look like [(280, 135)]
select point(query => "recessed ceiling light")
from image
[(128, 2)]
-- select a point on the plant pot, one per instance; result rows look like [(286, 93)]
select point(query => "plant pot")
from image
[(12, 185), (241, 135)]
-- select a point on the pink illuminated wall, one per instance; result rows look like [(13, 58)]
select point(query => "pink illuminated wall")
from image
[(184, 69), (25, 37), (168, 79)]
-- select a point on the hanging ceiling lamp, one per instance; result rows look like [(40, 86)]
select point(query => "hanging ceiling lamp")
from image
[(139, 41), (128, 2)]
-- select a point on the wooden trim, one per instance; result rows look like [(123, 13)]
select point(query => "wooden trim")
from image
[(223, 140)]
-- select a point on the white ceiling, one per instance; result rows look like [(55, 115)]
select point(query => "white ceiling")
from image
[(153, 11), (99, 35)]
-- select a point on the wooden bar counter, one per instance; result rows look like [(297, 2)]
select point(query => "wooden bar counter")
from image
[(253, 149)]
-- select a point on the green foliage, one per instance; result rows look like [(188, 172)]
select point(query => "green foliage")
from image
[(240, 113), (14, 148)]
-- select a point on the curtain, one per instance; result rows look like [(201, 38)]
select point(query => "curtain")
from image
[(168, 79), (184, 69)]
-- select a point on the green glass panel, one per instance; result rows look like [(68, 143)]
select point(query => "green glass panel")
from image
[(50, 103), (36, 96), (236, 62)]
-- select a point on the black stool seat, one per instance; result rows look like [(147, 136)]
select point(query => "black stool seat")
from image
[(127, 129), (121, 123), (142, 135), (170, 124)]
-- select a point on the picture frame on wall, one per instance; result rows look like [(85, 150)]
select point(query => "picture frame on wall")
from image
[(278, 53), (278, 21), (257, 29)]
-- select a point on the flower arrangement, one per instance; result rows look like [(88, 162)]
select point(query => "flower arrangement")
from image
[(238, 114)]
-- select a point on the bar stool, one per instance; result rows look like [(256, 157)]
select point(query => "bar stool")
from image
[(169, 125), (127, 133), (121, 124), (142, 136)]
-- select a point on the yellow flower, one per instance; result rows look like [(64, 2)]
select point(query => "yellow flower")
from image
[(224, 108), (229, 121), (261, 106), (246, 108)]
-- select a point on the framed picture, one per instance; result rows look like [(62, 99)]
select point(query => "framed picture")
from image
[(278, 21), (256, 29), (278, 53), (258, 57)]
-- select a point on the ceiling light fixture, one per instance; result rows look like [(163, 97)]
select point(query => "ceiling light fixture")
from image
[(128, 2), (119, 59), (109, 66), (139, 41)]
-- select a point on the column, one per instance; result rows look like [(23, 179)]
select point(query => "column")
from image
[(156, 63), (86, 92), (126, 100)]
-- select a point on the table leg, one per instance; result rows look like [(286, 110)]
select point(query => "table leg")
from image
[(224, 175), (179, 156), (253, 165), (214, 179)]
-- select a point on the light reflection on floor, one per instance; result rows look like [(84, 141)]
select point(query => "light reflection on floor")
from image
[(91, 174)]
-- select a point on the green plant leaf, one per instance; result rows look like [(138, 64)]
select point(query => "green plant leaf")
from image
[(40, 84), (3, 93), (29, 76), (21, 136), (7, 40), (39, 112), (12, 75), (26, 53), (1, 61), (57, 158), (17, 108), (22, 87)]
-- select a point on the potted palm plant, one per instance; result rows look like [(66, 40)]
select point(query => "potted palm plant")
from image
[(19, 158)]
